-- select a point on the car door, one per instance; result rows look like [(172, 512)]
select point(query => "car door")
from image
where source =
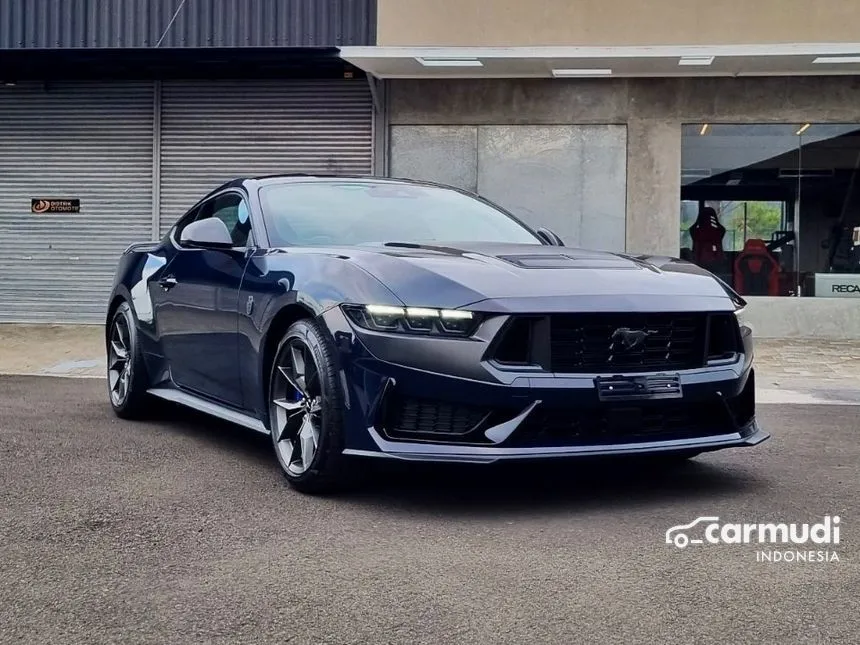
[(196, 309)]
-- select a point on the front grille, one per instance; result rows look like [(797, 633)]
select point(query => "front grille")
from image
[(592, 343), (417, 416), (649, 421)]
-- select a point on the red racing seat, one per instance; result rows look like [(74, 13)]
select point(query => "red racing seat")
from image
[(707, 235), (756, 270)]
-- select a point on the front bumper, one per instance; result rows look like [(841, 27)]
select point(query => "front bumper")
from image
[(413, 413)]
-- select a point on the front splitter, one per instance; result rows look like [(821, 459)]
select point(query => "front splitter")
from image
[(750, 435)]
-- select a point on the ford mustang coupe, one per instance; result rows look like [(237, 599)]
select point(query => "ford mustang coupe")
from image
[(367, 317)]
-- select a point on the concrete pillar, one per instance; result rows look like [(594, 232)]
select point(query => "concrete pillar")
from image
[(653, 186)]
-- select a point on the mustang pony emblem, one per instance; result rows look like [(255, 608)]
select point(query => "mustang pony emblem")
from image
[(631, 338)]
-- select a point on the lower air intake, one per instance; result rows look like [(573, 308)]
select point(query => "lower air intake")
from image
[(415, 416)]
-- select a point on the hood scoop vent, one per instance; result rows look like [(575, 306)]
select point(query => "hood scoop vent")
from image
[(561, 261)]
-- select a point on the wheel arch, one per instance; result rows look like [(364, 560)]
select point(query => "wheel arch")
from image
[(116, 300), (286, 316), (113, 306)]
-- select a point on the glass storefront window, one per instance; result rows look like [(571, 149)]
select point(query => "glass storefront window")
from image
[(773, 209)]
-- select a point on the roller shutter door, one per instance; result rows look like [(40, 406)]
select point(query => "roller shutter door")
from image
[(213, 131), (87, 141)]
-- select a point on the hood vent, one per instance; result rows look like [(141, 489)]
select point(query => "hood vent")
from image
[(560, 261)]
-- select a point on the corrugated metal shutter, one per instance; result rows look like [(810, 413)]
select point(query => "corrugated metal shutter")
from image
[(212, 132), (91, 141), (124, 24)]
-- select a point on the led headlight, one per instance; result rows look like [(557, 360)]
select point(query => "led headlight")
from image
[(456, 321), (413, 320), (421, 319), (383, 316)]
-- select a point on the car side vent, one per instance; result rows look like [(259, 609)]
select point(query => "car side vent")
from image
[(724, 341), (515, 346)]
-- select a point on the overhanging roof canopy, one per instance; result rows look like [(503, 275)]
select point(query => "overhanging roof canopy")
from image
[(164, 63), (606, 62)]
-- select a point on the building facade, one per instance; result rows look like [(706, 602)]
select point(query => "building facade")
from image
[(726, 134), (117, 115)]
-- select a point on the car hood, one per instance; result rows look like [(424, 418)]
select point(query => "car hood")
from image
[(457, 275)]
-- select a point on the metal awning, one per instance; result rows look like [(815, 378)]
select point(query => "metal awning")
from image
[(802, 59)]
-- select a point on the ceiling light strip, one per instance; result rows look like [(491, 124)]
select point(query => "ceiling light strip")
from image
[(836, 60), (581, 73), (701, 61), (449, 62)]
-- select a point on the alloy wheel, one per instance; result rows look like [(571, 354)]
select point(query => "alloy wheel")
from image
[(119, 360), (296, 407)]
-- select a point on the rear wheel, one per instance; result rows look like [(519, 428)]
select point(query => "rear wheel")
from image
[(126, 374), (306, 410)]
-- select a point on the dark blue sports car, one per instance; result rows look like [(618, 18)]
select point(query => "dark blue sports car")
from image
[(366, 317)]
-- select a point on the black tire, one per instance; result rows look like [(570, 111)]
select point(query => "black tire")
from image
[(128, 401), (321, 397)]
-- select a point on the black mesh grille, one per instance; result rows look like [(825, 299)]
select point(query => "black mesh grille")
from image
[(409, 415), (593, 342), (624, 424)]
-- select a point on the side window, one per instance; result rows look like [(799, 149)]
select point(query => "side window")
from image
[(186, 219), (232, 210)]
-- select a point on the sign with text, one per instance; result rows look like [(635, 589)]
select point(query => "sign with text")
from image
[(40, 206), (837, 285)]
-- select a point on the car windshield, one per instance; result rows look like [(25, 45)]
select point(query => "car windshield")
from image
[(335, 213)]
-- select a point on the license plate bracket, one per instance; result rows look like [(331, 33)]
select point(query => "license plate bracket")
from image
[(639, 388)]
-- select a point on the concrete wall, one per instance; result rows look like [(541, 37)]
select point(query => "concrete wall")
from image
[(653, 111), (570, 178), (507, 23), (832, 318)]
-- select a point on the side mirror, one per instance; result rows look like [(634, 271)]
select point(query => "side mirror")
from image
[(209, 233), (549, 237)]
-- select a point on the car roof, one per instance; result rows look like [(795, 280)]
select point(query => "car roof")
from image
[(267, 180), (249, 183)]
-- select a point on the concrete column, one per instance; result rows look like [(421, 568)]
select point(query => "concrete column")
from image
[(653, 186)]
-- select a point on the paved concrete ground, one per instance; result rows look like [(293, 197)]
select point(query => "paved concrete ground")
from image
[(181, 531), (63, 350)]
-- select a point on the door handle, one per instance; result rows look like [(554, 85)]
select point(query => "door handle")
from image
[(167, 283)]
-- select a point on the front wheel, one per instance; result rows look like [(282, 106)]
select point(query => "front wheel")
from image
[(306, 410)]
